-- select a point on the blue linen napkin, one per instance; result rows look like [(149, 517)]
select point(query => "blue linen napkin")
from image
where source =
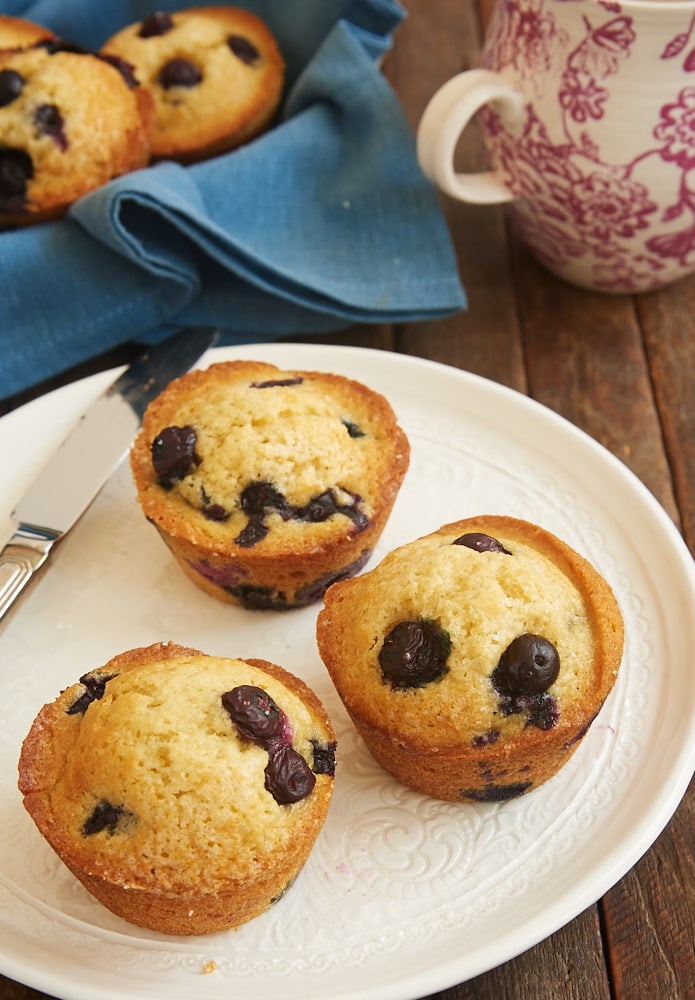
[(324, 221)]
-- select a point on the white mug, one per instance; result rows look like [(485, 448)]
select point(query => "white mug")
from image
[(587, 110)]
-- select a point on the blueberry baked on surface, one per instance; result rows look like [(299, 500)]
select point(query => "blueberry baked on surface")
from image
[(69, 122), (268, 485), (215, 73), (474, 660), (184, 791)]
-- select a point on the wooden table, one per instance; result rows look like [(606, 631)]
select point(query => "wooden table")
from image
[(623, 369)]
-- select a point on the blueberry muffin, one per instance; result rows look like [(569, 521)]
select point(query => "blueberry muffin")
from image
[(268, 485), (216, 75), (69, 122), (17, 32), (184, 791), (474, 660)]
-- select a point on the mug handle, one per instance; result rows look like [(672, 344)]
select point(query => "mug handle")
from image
[(443, 121)]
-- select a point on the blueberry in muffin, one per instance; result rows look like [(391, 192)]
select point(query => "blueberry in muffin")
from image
[(474, 659), (266, 485), (215, 73), (69, 122), (184, 791)]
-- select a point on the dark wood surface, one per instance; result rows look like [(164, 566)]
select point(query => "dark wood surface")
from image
[(623, 369)]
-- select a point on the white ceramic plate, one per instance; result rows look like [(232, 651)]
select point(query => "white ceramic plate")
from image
[(403, 895)]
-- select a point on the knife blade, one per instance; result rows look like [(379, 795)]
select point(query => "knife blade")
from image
[(75, 473)]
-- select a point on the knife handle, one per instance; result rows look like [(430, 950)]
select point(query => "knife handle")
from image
[(26, 551)]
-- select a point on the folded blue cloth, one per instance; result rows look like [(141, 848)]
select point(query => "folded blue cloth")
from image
[(324, 221)]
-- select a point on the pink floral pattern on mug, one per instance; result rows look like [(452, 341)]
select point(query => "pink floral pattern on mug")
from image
[(575, 202)]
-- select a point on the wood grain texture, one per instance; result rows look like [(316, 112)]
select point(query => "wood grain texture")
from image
[(485, 339)]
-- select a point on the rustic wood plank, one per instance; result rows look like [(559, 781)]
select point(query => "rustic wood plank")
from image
[(586, 361), (485, 8), (566, 966), (16, 991), (484, 339), (379, 337), (668, 322), (650, 917)]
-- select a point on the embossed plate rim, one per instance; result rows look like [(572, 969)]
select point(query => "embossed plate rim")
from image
[(395, 969)]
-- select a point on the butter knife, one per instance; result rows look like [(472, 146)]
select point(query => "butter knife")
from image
[(75, 473)]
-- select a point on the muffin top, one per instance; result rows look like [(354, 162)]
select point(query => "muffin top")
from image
[(212, 71), (473, 634), (69, 122), (249, 456), (168, 768), (17, 32)]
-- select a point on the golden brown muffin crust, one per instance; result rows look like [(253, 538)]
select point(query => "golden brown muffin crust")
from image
[(18, 32), (236, 95), (76, 122), (306, 436), (443, 736), (194, 839)]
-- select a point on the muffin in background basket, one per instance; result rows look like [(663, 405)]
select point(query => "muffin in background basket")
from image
[(268, 485), (215, 73), (184, 791), (69, 122), (18, 32), (473, 660)]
